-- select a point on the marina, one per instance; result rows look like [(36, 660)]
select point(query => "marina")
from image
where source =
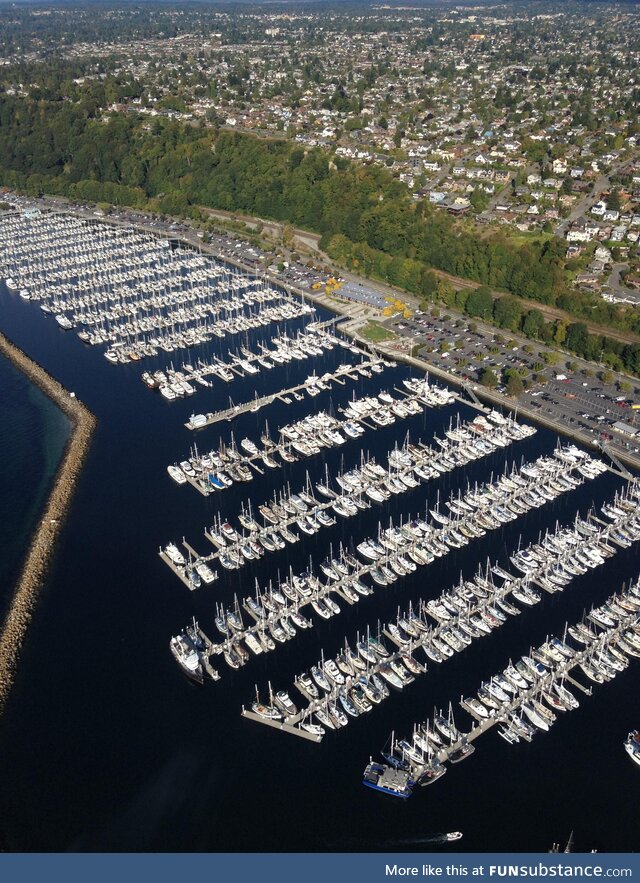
[(471, 610), (285, 519), (312, 385), (342, 552), (527, 699), (312, 342), (307, 437), (163, 299)]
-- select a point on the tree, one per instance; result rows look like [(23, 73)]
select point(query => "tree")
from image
[(507, 312), (550, 357), (488, 378), (445, 291), (460, 299), (614, 202), (560, 332), (480, 303), (533, 324), (428, 284), (577, 338), (515, 386)]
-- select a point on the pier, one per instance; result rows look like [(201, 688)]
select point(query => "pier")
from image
[(165, 308), (180, 572), (309, 435), (285, 727), (554, 673), (256, 404)]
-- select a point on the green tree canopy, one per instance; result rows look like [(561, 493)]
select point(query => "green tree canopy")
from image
[(480, 303)]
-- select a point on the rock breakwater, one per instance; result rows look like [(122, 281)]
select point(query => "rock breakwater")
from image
[(52, 519)]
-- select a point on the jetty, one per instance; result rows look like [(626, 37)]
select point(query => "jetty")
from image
[(52, 520)]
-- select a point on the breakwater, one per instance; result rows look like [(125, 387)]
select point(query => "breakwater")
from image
[(53, 516)]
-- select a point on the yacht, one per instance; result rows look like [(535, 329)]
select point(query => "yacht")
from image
[(632, 746), (174, 554), (187, 657), (177, 474), (204, 571)]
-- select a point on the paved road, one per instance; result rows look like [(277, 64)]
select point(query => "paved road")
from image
[(602, 183), (488, 213), (300, 238), (616, 286), (583, 405)]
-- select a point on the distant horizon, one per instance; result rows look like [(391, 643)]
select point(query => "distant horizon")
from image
[(379, 4)]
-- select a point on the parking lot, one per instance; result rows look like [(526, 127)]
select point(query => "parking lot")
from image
[(575, 398)]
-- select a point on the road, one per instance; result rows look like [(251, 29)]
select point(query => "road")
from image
[(302, 239), (309, 242), (615, 286), (550, 313), (570, 408), (602, 183), (488, 213)]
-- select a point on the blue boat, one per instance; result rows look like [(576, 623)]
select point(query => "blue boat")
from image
[(397, 783), (215, 481)]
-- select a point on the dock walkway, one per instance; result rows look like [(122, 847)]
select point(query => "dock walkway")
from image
[(256, 404)]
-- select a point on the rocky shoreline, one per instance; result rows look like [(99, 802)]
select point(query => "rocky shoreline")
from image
[(51, 521)]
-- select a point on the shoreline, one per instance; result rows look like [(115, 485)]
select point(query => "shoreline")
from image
[(47, 532)]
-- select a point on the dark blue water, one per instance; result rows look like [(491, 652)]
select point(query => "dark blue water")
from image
[(33, 432), (105, 745)]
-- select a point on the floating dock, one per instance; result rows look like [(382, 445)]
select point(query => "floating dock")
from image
[(429, 457), (282, 726), (228, 414)]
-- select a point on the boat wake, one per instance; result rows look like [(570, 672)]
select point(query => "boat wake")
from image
[(431, 840)]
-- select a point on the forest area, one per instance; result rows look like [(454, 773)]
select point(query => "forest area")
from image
[(366, 217)]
